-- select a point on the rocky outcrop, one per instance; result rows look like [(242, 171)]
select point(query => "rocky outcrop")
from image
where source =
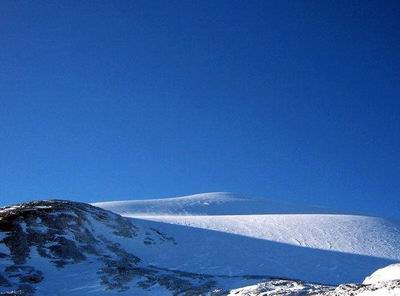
[(63, 233)]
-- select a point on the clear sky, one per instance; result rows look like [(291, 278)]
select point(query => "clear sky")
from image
[(290, 100)]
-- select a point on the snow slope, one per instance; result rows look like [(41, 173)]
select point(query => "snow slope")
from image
[(359, 235), (222, 233)]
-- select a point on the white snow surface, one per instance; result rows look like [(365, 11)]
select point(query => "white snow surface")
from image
[(342, 233), (228, 234), (388, 273)]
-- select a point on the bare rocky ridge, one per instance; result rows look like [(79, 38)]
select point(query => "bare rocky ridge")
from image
[(40, 237)]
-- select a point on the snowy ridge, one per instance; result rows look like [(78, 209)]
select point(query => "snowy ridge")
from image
[(215, 203)]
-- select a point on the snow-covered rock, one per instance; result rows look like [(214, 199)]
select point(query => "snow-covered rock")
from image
[(296, 288), (282, 287), (383, 282)]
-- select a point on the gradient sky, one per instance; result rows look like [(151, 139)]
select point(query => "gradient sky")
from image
[(290, 100)]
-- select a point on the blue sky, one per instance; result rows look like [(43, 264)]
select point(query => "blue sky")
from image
[(291, 100)]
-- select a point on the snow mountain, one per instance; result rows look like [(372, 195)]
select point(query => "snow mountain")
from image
[(207, 244)]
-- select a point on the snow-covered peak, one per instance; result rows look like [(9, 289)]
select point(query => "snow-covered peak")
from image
[(388, 273)]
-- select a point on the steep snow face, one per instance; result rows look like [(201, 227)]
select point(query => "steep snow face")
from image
[(389, 273), (222, 233), (216, 203)]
